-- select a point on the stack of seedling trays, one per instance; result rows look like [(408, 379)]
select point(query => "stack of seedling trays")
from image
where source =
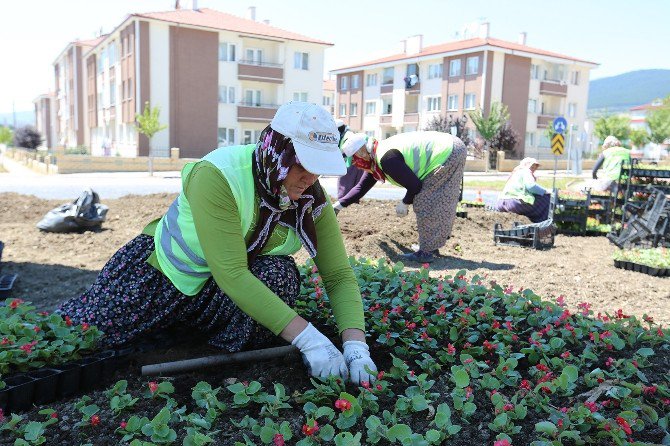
[(6, 280), (536, 235), (633, 188), (570, 211)]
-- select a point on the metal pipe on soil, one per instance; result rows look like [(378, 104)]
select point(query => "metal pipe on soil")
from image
[(188, 365)]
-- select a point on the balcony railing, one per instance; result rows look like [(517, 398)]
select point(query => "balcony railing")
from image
[(544, 121), (385, 89), (260, 71), (385, 119), (255, 112), (554, 88), (411, 118)]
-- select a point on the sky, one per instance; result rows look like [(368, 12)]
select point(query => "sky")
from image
[(620, 35)]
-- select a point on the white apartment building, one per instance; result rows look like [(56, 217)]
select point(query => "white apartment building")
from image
[(217, 78), (459, 77)]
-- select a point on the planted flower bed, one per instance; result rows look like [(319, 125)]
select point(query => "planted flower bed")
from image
[(472, 204), (652, 261), (462, 362)]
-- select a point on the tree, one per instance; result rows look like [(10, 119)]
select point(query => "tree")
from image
[(658, 121), (148, 122), (489, 126), (6, 135), (618, 126), (505, 138), (28, 137), (445, 123), (639, 137)]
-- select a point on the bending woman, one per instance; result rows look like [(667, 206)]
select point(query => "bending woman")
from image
[(220, 259)]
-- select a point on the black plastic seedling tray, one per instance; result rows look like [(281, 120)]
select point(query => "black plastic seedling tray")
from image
[(658, 272), (6, 284)]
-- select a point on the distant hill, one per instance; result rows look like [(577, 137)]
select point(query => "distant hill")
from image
[(621, 92), (22, 118)]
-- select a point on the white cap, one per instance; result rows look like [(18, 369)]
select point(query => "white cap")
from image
[(314, 135), (352, 142)]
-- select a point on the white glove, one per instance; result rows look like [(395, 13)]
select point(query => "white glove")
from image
[(321, 357), (402, 209), (357, 357), (337, 207)]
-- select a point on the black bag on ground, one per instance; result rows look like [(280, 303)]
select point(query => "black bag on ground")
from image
[(86, 212)]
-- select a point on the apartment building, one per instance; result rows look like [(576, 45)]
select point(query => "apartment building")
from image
[(329, 96), (45, 122), (638, 114), (217, 79), (403, 92), (70, 114)]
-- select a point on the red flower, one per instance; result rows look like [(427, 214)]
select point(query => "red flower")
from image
[(28, 348), (542, 367), (648, 390), (342, 405), (379, 387), (525, 384), (153, 386), (278, 440), (607, 427), (310, 430), (85, 326), (424, 336), (123, 425), (425, 265), (95, 420), (365, 384), (546, 390), (14, 304), (467, 310), (5, 341), (624, 425), (508, 407), (593, 407), (68, 321), (2, 415), (380, 375), (54, 415), (502, 443), (410, 325), (37, 329), (442, 310), (451, 349), (609, 362), (565, 355)]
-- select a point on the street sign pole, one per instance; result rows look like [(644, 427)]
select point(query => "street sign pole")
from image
[(553, 186), (559, 125)]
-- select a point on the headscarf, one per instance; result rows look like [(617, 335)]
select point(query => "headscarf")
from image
[(370, 165), (527, 163), (272, 159), (611, 141)]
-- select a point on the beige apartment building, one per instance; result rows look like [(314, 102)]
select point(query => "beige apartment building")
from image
[(459, 77), (45, 113), (217, 78), (329, 95)]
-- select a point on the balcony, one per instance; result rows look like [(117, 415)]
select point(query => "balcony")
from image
[(411, 118), (385, 119), (554, 88), (544, 121), (386, 89), (251, 112), (248, 70)]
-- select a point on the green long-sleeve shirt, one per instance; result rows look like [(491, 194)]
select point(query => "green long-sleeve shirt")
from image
[(218, 225)]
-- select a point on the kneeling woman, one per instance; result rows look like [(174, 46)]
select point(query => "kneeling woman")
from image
[(220, 259), (429, 165), (522, 195)]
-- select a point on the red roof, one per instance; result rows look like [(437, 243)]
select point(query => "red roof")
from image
[(645, 107), (464, 45), (90, 42), (210, 18)]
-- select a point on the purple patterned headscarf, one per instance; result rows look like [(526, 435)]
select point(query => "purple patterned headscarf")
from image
[(273, 158)]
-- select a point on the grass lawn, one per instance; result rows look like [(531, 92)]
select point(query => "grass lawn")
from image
[(546, 182)]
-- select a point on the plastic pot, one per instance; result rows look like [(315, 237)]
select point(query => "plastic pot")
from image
[(21, 390), (108, 362), (68, 380), (46, 385), (91, 369)]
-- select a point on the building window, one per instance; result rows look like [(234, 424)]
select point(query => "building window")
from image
[(532, 106), (251, 136), (534, 71), (412, 69), (472, 66), (112, 54), (355, 81), (226, 52), (574, 78), (353, 109), (226, 94), (370, 108), (301, 61), (300, 96), (387, 77), (326, 100), (344, 83), (435, 71), (572, 109), (112, 88), (452, 102), (455, 67), (371, 80), (252, 98), (470, 101), (253, 56), (226, 137), (530, 139), (343, 109), (434, 103)]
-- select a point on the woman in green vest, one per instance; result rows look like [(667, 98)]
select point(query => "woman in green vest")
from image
[(522, 195), (429, 165), (610, 160), (220, 259)]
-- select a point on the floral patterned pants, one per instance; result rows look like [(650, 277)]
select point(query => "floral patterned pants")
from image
[(131, 298)]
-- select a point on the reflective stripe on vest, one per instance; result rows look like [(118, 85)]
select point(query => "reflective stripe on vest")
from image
[(515, 188), (423, 151), (178, 249), (614, 158)]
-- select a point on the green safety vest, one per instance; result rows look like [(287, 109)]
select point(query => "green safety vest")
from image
[(178, 249), (516, 188), (614, 158), (423, 151)]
